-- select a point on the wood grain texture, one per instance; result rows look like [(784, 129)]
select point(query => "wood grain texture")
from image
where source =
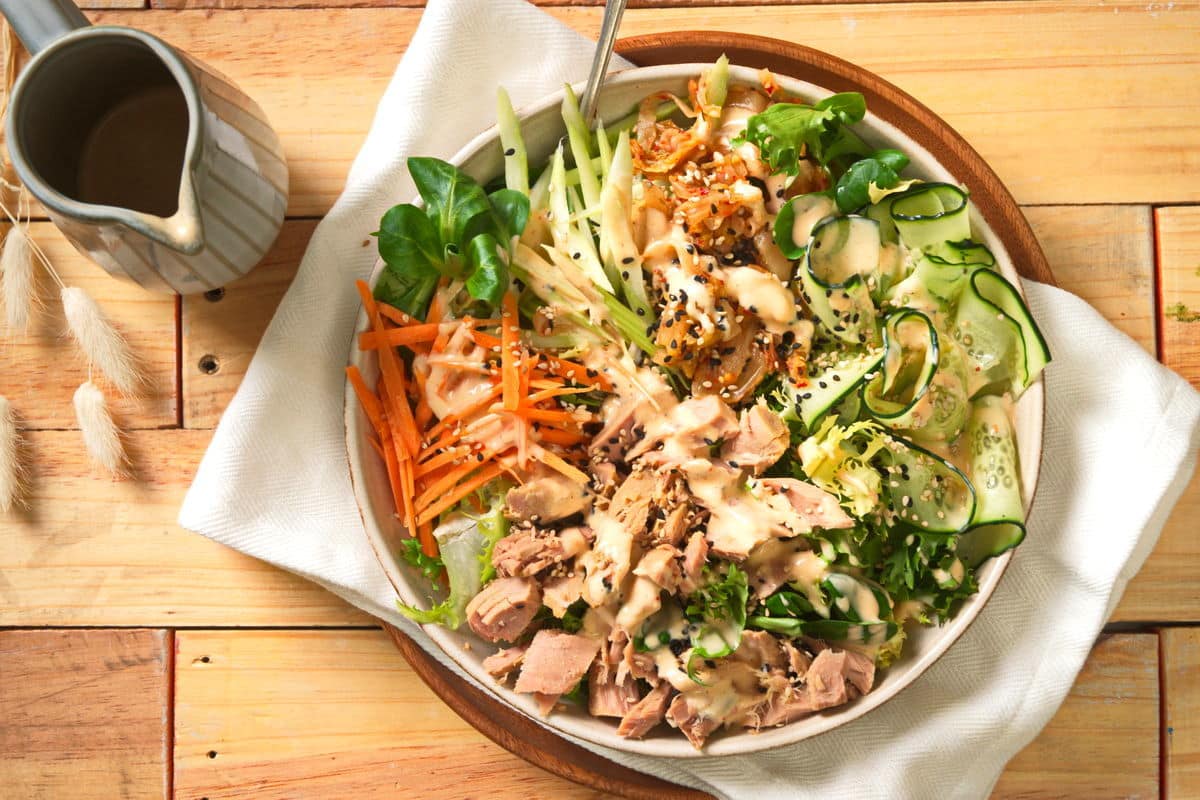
[(236, 4), (1104, 740), (1179, 285), (305, 714), (1181, 707), (225, 327), (1104, 254), (93, 552), (1166, 588), (337, 713), (43, 368), (1010, 72), (83, 714)]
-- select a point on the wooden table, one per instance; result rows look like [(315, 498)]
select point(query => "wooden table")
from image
[(140, 660)]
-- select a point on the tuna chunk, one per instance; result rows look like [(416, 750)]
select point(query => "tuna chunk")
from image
[(826, 680), (504, 608), (559, 592), (696, 727), (547, 499), (526, 552), (672, 529), (693, 562), (647, 714), (661, 566), (761, 440), (555, 662), (760, 649), (859, 670), (687, 431), (631, 503), (817, 507), (784, 708), (502, 662), (798, 660), (644, 599), (640, 665), (608, 696)]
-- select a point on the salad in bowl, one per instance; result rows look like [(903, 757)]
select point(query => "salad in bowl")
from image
[(692, 424)]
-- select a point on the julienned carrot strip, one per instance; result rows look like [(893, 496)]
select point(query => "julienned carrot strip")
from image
[(509, 352), (480, 404), (546, 415), (423, 414), (561, 437), (368, 399), (488, 473), (440, 460), (396, 337), (435, 489), (549, 393), (393, 314), (556, 463), (536, 382), (573, 371), (404, 430), (393, 469)]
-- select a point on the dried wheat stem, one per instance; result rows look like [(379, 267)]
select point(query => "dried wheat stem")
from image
[(103, 347), (12, 471), (100, 434), (17, 281)]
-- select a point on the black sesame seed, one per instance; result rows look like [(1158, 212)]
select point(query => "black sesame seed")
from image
[(576, 255), (512, 151), (627, 260)]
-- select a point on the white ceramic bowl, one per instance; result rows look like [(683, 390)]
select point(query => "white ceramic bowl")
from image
[(482, 158)]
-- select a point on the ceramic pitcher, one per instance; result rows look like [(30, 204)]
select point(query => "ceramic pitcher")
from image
[(154, 166)]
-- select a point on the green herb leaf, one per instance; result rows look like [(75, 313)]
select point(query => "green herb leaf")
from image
[(452, 199), (719, 607), (787, 132), (511, 210), (488, 271), (882, 168), (430, 566), (409, 246)]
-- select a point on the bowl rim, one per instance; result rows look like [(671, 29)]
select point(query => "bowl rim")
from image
[(739, 742)]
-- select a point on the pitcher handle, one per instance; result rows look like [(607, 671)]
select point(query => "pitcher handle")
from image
[(39, 22)]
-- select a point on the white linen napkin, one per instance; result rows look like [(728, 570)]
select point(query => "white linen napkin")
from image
[(1122, 434)]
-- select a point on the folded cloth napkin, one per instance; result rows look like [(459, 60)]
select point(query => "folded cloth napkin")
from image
[(1119, 449)]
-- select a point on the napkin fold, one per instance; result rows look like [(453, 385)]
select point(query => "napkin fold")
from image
[(1122, 434)]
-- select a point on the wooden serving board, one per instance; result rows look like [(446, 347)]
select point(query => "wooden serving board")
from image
[(509, 728)]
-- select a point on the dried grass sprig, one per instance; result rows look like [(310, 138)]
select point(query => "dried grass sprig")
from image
[(12, 471), (17, 281), (100, 434), (104, 348)]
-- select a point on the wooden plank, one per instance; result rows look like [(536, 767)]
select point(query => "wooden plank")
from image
[(1179, 284), (238, 4), (304, 714), (1104, 254), (319, 714), (93, 552), (1181, 706), (221, 330), (1023, 94), (1104, 740), (1166, 589), (84, 714), (42, 368)]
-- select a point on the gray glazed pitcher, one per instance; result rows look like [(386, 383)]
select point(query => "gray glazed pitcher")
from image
[(153, 165)]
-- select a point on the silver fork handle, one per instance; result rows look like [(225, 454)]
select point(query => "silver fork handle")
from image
[(613, 9)]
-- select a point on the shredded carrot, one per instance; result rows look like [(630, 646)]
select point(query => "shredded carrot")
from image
[(561, 437), (488, 473), (545, 415), (435, 489), (396, 315), (396, 337), (367, 398), (509, 352), (536, 382), (450, 420), (573, 371), (404, 429), (440, 460), (556, 463), (550, 392)]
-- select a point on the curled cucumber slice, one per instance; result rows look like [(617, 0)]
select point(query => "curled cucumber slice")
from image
[(931, 214), (998, 523), (839, 270), (1005, 350)]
